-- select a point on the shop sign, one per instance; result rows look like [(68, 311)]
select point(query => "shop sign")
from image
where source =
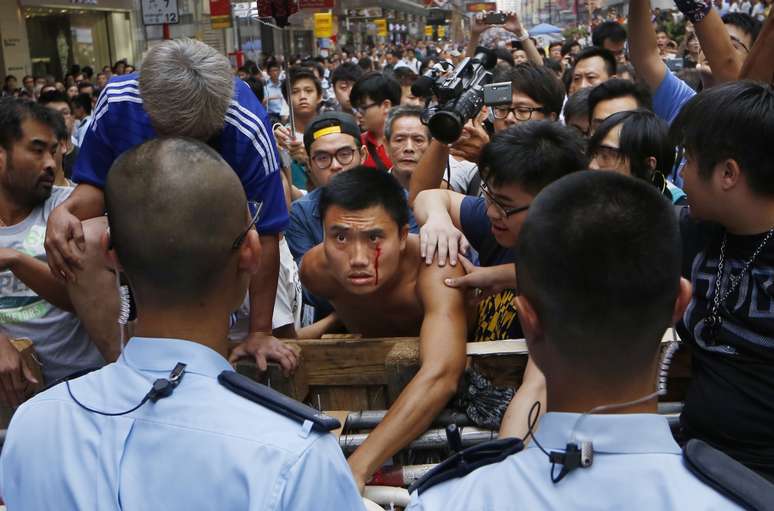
[(428, 30), (159, 12), (220, 14), (441, 31), (381, 27), (315, 4), (323, 24), (481, 7), (84, 2)]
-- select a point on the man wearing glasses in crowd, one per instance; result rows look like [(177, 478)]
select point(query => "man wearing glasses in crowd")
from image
[(371, 97), (518, 163)]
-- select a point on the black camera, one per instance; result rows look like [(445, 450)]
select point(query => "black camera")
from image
[(460, 94)]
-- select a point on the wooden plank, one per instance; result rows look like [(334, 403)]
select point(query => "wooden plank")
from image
[(401, 364)]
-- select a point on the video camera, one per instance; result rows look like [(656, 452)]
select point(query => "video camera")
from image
[(460, 94)]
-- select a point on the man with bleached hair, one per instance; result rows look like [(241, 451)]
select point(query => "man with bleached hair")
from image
[(187, 89)]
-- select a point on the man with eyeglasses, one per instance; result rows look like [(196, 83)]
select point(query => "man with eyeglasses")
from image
[(105, 437), (536, 95), (332, 141), (518, 163)]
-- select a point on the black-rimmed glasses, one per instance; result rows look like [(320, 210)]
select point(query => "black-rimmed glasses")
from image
[(502, 210), (343, 155), (255, 210), (521, 113)]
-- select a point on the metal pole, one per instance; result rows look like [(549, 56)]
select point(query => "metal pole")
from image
[(369, 419), (432, 439)]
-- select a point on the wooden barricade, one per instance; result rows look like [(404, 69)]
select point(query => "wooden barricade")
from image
[(369, 374)]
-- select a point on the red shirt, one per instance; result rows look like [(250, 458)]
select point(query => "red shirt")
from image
[(367, 139)]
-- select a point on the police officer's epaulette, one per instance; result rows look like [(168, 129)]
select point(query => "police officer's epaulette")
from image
[(728, 476), (464, 462), (276, 401)]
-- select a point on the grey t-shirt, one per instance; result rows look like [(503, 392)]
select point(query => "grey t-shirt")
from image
[(60, 340)]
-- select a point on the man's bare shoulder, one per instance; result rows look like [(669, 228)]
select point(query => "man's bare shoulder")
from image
[(315, 273)]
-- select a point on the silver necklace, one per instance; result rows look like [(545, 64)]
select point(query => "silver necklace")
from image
[(714, 321)]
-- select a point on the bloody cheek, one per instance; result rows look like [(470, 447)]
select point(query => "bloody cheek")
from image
[(376, 264)]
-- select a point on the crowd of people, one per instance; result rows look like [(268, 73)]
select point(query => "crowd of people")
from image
[(217, 212)]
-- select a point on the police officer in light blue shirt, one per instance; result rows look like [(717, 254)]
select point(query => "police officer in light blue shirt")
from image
[(170, 425), (599, 281)]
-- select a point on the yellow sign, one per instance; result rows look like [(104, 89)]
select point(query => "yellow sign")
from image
[(381, 27), (441, 31), (429, 30), (323, 24)]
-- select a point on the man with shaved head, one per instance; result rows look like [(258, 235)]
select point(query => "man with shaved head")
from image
[(170, 425)]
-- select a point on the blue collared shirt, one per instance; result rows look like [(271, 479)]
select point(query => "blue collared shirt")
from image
[(203, 447), (636, 465)]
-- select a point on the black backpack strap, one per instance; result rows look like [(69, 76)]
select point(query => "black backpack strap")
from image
[(464, 462), (728, 476), (375, 155), (277, 402)]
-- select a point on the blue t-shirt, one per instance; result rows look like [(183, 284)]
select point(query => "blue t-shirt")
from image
[(246, 142), (497, 318), (478, 230), (668, 100), (670, 97)]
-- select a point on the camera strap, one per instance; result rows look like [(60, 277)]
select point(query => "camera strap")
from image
[(375, 155)]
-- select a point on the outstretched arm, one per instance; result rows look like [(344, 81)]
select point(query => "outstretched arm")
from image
[(442, 353), (429, 172), (642, 45), (716, 45), (760, 63), (37, 276)]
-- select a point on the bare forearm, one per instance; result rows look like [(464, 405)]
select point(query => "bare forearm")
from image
[(37, 276), (263, 285), (642, 44), (85, 202), (319, 328), (430, 169), (410, 416), (532, 389), (429, 203), (760, 63), (716, 44), (532, 53)]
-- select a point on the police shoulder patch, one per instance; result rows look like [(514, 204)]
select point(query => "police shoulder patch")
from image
[(276, 401), (464, 462)]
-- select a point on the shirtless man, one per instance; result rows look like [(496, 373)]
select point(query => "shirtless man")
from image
[(368, 267)]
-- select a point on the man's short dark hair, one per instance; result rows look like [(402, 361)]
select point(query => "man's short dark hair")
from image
[(55, 96), (603, 53), (84, 85), (731, 121), (298, 73), (619, 88), (14, 111), (599, 259), (540, 84), (174, 242), (568, 46), (577, 105), (363, 187), (256, 86), (554, 44), (272, 64), (745, 23), (405, 75), (608, 30), (365, 64), (83, 100), (346, 71), (643, 134), (503, 54), (376, 86), (532, 155)]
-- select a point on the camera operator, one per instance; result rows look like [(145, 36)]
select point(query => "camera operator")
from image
[(536, 94)]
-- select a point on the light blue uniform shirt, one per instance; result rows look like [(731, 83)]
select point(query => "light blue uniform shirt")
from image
[(636, 465), (203, 447)]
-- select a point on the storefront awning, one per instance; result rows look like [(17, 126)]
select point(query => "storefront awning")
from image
[(399, 5)]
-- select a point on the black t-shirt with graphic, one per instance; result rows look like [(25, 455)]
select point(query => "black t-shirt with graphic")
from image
[(730, 402)]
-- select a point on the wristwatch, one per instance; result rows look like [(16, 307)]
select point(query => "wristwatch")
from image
[(524, 35)]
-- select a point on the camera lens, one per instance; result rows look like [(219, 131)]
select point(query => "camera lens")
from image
[(445, 126)]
